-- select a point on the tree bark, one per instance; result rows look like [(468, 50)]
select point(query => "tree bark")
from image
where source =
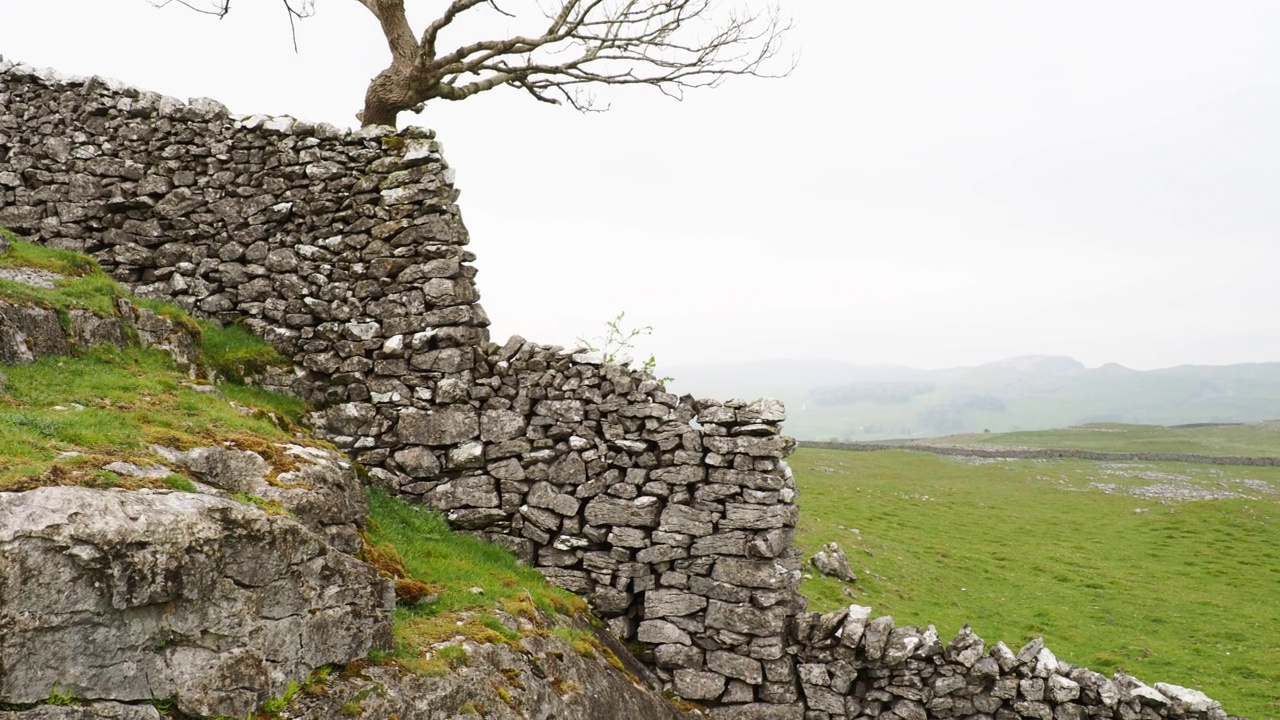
[(391, 92)]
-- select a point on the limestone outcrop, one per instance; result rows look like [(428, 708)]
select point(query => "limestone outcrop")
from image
[(141, 595), (537, 677), (88, 711), (315, 485)]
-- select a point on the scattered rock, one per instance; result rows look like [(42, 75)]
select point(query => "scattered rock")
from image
[(831, 561)]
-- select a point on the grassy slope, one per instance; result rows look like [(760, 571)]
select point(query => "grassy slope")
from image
[(1254, 439), (63, 418), (469, 581), (1181, 592)]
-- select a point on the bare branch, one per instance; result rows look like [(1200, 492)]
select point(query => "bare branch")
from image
[(670, 45), (493, 4), (456, 8), (222, 7)]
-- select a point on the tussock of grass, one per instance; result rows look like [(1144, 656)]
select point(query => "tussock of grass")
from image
[(432, 552), (64, 262), (415, 544), (236, 353), (114, 403), (1183, 592), (85, 285)]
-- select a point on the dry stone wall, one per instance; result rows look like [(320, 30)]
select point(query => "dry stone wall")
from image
[(344, 250), (674, 516)]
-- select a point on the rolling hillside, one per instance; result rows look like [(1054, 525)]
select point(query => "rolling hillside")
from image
[(842, 401)]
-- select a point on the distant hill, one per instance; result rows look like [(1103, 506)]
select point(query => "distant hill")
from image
[(843, 401)]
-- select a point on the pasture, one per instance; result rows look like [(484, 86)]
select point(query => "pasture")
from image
[(1110, 562)]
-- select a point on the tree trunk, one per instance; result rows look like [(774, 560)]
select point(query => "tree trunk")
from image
[(378, 114), (392, 91)]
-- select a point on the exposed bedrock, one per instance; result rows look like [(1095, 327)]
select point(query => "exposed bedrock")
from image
[(140, 595)]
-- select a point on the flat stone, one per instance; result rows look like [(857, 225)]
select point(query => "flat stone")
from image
[(823, 699), (671, 603), (500, 425), (746, 619), (749, 516), (569, 469), (759, 711), (660, 632), (447, 425), (544, 495), (736, 666), (752, 573), (677, 656), (698, 684), (1186, 700), (418, 461), (685, 519), (604, 510), (478, 491)]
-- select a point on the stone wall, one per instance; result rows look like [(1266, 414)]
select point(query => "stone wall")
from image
[(674, 516), (344, 250), (849, 665)]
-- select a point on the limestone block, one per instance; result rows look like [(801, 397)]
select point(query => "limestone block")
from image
[(752, 573), (214, 602), (641, 512), (748, 516), (735, 666), (446, 425), (685, 519), (698, 684), (659, 632), (831, 561), (1061, 689), (671, 603), (746, 619)]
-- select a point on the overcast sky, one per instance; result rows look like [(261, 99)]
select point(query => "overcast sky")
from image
[(937, 183)]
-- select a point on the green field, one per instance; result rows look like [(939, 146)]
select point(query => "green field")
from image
[(1185, 592), (1260, 439)]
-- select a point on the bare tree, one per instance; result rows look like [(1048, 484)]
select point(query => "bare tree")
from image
[(671, 45)]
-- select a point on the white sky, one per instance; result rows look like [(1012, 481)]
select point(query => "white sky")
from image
[(937, 184)]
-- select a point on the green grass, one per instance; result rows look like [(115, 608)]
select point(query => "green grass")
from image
[(111, 404), (64, 262), (86, 285), (454, 565), (236, 353), (1179, 592), (63, 418), (434, 553), (1245, 440)]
